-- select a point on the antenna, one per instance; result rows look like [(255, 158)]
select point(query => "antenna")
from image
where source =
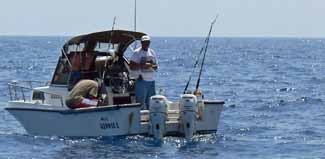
[(135, 21), (135, 15)]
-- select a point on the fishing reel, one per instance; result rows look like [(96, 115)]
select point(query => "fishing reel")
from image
[(198, 93)]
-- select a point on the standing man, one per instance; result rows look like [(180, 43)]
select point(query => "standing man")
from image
[(144, 63)]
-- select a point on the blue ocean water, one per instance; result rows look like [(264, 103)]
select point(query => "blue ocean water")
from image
[(274, 89)]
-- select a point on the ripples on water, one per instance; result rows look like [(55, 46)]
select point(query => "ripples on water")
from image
[(273, 88)]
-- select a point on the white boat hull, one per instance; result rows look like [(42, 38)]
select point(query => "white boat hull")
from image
[(45, 120), (104, 121)]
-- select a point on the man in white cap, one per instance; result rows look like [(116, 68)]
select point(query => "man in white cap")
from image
[(144, 62)]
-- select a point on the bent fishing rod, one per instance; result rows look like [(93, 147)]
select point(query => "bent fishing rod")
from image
[(203, 49)]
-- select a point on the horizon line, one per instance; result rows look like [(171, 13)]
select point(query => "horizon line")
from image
[(168, 36)]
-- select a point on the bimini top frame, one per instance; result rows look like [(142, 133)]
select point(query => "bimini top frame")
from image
[(122, 37)]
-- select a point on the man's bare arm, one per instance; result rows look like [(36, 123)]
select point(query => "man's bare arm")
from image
[(136, 66)]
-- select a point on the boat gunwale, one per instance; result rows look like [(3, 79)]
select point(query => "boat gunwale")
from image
[(76, 111)]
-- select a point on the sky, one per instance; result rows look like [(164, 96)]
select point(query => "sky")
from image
[(237, 18)]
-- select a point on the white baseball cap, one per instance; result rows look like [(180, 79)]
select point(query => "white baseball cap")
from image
[(145, 38)]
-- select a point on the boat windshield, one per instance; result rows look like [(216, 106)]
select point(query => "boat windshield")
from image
[(62, 71), (89, 60), (100, 47)]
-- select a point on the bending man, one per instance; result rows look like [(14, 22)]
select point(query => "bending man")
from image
[(83, 94)]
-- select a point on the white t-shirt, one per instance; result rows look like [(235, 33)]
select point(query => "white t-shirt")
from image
[(140, 57)]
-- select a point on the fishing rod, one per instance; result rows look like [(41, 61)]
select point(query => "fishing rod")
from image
[(100, 82), (195, 65), (199, 55), (110, 41), (205, 51)]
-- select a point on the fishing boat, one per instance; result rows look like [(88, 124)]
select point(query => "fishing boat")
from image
[(42, 111)]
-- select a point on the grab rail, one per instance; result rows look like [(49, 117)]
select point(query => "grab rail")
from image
[(17, 91)]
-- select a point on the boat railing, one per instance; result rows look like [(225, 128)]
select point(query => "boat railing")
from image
[(18, 91)]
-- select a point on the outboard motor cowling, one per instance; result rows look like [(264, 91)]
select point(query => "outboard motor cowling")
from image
[(158, 116), (188, 108)]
